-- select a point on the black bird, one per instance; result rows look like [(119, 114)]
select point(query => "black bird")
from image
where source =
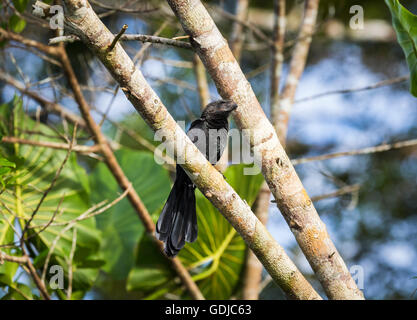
[(178, 220)]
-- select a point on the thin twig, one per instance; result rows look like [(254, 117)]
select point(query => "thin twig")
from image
[(45, 194), (91, 212), (27, 42), (40, 284), (138, 58), (201, 80), (117, 37), (52, 145), (118, 173), (369, 150), (35, 52), (131, 37), (258, 32), (51, 220), (71, 224), (5, 257), (297, 65), (342, 191), (380, 84), (277, 59), (49, 106), (70, 259)]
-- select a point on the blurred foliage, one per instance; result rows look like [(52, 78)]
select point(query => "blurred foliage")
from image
[(215, 260), (16, 22), (120, 225), (405, 24), (35, 168)]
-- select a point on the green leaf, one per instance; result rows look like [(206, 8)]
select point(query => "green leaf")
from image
[(405, 25), (20, 5), (6, 163), (7, 269), (18, 291), (6, 167), (17, 24), (35, 169), (120, 224), (215, 260), (153, 270)]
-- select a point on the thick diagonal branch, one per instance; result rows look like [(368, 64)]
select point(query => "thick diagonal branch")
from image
[(292, 199)]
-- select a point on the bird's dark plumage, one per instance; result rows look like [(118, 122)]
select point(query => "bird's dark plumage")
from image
[(177, 223)]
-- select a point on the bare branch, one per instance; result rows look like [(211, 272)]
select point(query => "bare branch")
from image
[(340, 192), (297, 66), (52, 145), (277, 59), (25, 261), (49, 106), (70, 259), (52, 184), (369, 150), (377, 85), (32, 271), (237, 37), (131, 37), (4, 34), (5, 257), (117, 37), (68, 225), (202, 84), (258, 32)]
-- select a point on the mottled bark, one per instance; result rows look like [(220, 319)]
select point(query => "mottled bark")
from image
[(82, 21), (292, 199)]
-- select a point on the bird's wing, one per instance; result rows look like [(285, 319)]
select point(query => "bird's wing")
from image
[(197, 135)]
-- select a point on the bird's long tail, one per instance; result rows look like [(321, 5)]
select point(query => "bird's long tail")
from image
[(178, 220)]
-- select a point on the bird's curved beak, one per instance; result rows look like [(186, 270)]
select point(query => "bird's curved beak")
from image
[(231, 106)]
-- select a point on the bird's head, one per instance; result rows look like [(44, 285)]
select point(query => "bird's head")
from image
[(219, 109)]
